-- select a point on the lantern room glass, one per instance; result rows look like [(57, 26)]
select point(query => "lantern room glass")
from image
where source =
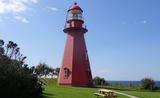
[(75, 14)]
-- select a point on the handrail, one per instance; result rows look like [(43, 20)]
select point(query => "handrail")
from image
[(69, 25)]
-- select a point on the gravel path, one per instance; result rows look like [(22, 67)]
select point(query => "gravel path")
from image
[(125, 94)]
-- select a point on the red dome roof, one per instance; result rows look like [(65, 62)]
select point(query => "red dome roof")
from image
[(75, 6)]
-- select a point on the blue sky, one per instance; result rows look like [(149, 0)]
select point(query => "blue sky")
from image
[(123, 40)]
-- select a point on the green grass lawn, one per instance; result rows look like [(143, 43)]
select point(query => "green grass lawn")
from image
[(136, 92), (54, 91), (143, 94)]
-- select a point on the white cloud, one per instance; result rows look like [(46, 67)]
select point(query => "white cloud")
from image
[(34, 1), (21, 19), (53, 8), (24, 20), (135, 22), (15, 6), (12, 8)]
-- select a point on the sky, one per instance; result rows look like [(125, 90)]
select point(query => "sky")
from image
[(123, 38)]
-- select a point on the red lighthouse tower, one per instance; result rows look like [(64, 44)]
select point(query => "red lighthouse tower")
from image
[(75, 68)]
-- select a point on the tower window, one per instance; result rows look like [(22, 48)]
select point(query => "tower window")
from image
[(66, 73), (72, 25)]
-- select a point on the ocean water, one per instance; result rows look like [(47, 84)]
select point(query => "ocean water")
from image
[(136, 83)]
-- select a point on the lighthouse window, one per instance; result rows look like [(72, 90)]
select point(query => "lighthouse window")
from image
[(72, 25), (80, 16), (70, 16), (65, 73), (75, 14)]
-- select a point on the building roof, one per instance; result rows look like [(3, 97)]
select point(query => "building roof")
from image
[(75, 6)]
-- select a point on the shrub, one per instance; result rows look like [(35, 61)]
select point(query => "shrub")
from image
[(99, 81), (17, 80), (147, 83)]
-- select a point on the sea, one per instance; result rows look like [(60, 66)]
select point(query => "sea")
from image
[(136, 83)]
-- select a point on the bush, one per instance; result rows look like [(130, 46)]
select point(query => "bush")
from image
[(147, 84), (17, 80), (99, 81)]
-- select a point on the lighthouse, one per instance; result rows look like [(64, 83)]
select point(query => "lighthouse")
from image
[(75, 67)]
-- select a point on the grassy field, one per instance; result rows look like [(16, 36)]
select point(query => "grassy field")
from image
[(136, 92), (143, 94), (54, 91)]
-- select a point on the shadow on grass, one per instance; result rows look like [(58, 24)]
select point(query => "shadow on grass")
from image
[(48, 95)]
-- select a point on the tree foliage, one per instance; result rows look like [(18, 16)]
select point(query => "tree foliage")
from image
[(43, 70), (147, 83), (99, 81), (57, 70), (17, 80)]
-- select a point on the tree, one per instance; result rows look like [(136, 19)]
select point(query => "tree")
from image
[(51, 71), (147, 83), (42, 69), (1, 48), (17, 80), (57, 71), (99, 81)]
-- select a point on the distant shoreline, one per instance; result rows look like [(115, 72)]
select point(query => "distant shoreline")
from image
[(157, 83)]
